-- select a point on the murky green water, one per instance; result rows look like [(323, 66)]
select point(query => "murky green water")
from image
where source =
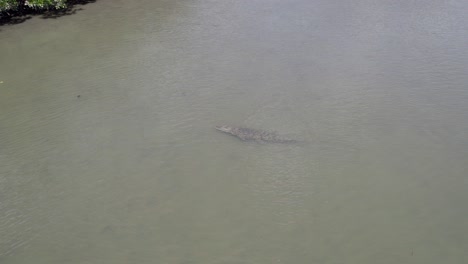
[(132, 170)]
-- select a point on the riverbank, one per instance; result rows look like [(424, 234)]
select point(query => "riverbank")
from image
[(15, 12)]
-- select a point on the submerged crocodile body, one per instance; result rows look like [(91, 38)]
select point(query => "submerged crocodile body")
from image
[(254, 134)]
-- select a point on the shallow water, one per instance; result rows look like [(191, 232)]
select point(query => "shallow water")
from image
[(108, 152)]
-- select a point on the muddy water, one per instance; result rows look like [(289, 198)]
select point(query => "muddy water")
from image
[(108, 150)]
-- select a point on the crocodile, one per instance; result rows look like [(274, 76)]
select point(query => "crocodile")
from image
[(247, 134)]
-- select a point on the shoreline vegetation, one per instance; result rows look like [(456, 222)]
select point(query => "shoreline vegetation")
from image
[(18, 11)]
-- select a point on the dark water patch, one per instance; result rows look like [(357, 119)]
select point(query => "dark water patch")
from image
[(108, 229), (6, 19)]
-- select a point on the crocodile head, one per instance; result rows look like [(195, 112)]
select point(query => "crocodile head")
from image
[(226, 129)]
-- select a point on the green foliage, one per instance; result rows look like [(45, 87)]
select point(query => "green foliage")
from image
[(6, 5), (45, 4), (14, 5)]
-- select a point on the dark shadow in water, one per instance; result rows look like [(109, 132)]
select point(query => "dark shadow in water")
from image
[(17, 17), (12, 20)]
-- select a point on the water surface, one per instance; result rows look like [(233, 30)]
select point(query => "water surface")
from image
[(108, 152)]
